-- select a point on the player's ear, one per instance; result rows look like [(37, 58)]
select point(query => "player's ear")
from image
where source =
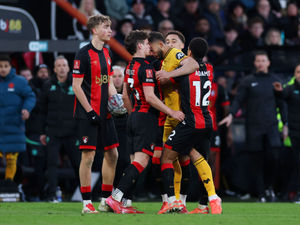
[(161, 44), (189, 52)]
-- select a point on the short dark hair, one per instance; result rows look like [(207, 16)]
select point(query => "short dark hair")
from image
[(94, 21), (256, 53), (178, 33), (254, 20), (133, 38), (199, 47), (156, 36), (5, 58)]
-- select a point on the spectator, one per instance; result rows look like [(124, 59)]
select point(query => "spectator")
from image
[(36, 152), (254, 36), (186, 19), (263, 10), (124, 27), (88, 8), (291, 94), (165, 27), (58, 124), (139, 15), (16, 102), (262, 135), (120, 124), (227, 50), (116, 9), (202, 29), (161, 12), (26, 73), (273, 37), (290, 22), (216, 18), (237, 16)]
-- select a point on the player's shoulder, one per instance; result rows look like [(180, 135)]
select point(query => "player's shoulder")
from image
[(84, 49), (146, 64), (82, 53), (176, 54), (205, 64)]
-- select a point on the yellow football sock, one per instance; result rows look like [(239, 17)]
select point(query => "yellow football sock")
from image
[(177, 178), (205, 174), (11, 165)]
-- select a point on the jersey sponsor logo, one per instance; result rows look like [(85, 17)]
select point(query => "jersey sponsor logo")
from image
[(179, 55), (85, 139), (76, 64), (11, 87), (108, 61), (254, 84), (76, 71), (149, 73), (202, 73), (103, 79), (149, 80)]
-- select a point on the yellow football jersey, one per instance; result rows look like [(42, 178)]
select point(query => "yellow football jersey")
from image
[(172, 61)]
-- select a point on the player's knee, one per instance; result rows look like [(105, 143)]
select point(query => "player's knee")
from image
[(142, 159), (194, 155), (157, 154), (88, 158), (111, 155)]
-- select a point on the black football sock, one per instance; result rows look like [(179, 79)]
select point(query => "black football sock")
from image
[(167, 172)]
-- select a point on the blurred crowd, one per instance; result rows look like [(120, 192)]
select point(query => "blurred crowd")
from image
[(233, 30)]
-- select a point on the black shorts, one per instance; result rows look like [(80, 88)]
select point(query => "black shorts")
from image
[(159, 144), (184, 138), (101, 137), (141, 132), (215, 143)]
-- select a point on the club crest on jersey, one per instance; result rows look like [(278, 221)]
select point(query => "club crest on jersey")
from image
[(108, 61), (76, 64), (179, 55), (149, 74), (85, 139)]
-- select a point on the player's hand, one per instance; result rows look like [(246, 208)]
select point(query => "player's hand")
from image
[(227, 120), (285, 132), (43, 139), (93, 117), (277, 86), (162, 75), (178, 115), (25, 114)]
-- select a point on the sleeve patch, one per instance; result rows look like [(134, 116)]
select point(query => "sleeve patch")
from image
[(76, 64), (179, 55), (149, 73)]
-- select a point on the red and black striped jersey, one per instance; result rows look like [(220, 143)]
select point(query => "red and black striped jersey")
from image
[(139, 73), (94, 66), (218, 98), (194, 90)]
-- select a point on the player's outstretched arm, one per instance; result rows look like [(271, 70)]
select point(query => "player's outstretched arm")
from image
[(80, 94), (155, 102), (126, 99), (188, 66)]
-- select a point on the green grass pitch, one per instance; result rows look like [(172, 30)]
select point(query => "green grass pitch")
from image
[(70, 214)]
